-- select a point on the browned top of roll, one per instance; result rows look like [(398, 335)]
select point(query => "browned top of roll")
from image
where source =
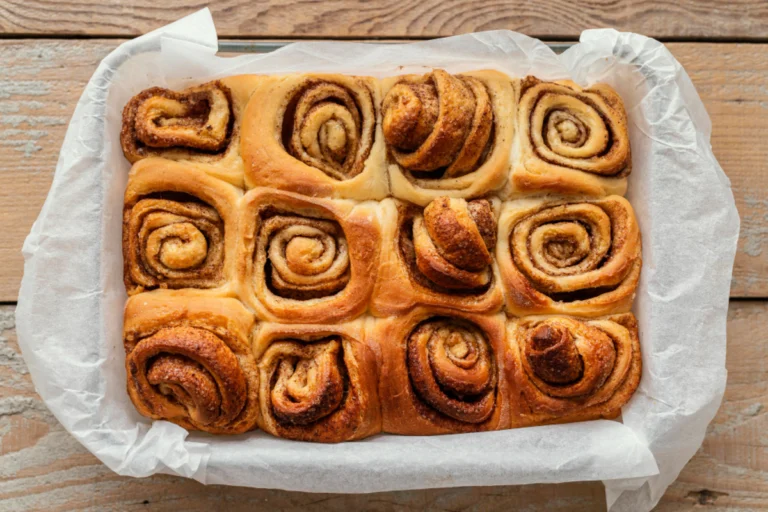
[(452, 369), (438, 122), (448, 247), (188, 374), (330, 126), (198, 119), (583, 129)]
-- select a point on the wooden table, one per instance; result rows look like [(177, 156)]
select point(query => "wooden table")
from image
[(48, 51)]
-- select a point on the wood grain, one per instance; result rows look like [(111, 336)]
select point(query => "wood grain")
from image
[(740, 19), (41, 80), (43, 467)]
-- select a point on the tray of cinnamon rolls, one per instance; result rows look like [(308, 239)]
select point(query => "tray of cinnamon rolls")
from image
[(326, 257)]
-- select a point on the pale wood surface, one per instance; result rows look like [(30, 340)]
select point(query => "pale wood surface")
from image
[(43, 467), (41, 80), (740, 19)]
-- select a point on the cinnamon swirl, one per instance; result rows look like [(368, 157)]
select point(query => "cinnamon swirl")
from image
[(199, 125), (570, 369), (318, 382), (188, 361), (441, 372), (573, 257), (178, 228), (441, 255), (571, 140), (448, 134), (305, 260), (317, 135)]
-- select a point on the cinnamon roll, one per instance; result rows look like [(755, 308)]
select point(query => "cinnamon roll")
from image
[(448, 134), (579, 257), (306, 260), (178, 228), (441, 372), (571, 140), (198, 125), (570, 369), (188, 361), (315, 134), (441, 255), (317, 382)]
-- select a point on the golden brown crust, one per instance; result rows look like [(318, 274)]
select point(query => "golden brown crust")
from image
[(441, 372), (568, 369), (440, 256), (571, 257), (179, 228), (188, 361), (316, 134), (448, 134), (318, 382), (570, 140), (306, 260), (199, 125)]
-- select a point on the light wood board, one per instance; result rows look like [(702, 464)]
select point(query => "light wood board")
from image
[(691, 19), (41, 81)]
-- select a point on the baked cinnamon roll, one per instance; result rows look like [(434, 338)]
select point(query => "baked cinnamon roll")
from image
[(318, 383), (448, 134), (571, 140), (178, 228), (570, 369), (198, 125), (316, 134), (579, 257), (188, 361), (440, 372), (306, 260), (441, 255)]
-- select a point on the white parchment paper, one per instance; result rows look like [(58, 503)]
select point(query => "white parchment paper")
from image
[(69, 316)]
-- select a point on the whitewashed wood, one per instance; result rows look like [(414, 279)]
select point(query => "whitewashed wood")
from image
[(742, 19)]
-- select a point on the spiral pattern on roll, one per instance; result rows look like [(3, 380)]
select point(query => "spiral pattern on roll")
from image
[(172, 244), (331, 127), (306, 380), (578, 129), (438, 123), (452, 369), (308, 258), (199, 119), (189, 376), (572, 247), (573, 363)]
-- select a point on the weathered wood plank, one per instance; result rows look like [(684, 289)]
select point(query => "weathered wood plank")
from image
[(744, 19), (40, 82), (43, 467)]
